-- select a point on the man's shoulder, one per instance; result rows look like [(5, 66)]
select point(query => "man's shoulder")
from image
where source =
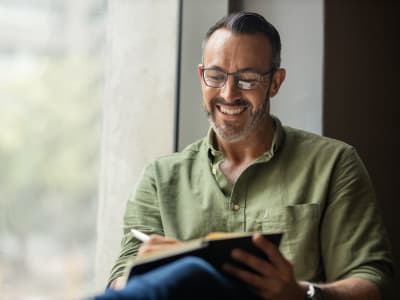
[(305, 139), (311, 150), (193, 151)]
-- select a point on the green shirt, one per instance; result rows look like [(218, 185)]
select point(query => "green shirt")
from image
[(314, 189)]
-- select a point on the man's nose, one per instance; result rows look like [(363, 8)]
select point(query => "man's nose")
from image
[(230, 92)]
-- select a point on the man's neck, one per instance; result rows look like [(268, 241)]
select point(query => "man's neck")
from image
[(239, 155)]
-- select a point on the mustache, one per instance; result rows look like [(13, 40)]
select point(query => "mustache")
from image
[(222, 101)]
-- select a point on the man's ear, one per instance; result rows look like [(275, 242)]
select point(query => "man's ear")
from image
[(277, 80), (200, 72)]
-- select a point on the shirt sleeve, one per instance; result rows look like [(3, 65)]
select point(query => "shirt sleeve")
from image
[(142, 213), (354, 242)]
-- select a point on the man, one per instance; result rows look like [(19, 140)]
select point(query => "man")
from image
[(252, 174)]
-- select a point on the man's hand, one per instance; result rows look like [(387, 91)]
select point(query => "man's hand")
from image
[(118, 283), (157, 243), (274, 279)]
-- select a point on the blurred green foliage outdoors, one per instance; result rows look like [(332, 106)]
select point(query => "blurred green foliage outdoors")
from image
[(49, 153)]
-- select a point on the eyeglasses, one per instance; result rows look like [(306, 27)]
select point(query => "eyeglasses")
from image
[(245, 80)]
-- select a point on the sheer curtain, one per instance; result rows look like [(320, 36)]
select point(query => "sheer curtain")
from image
[(138, 109)]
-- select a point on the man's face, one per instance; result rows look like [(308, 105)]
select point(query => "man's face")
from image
[(235, 113)]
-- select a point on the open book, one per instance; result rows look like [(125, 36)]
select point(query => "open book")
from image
[(215, 248)]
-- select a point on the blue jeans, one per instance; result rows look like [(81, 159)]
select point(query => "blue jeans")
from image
[(190, 278)]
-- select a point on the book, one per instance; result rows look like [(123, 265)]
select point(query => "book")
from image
[(215, 248)]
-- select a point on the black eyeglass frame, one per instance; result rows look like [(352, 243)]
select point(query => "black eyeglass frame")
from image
[(236, 78)]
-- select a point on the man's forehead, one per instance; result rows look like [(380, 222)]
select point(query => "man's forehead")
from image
[(226, 44), (224, 35)]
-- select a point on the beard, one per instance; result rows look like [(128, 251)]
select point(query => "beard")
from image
[(234, 131)]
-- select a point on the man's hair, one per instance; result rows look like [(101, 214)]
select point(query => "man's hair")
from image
[(250, 23)]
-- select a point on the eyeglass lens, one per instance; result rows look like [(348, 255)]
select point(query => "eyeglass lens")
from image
[(244, 80)]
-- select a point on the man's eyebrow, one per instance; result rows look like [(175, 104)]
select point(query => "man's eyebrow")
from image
[(248, 69), (215, 67)]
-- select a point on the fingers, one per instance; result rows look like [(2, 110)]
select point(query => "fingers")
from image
[(259, 265), (118, 283), (265, 287), (270, 279), (156, 244), (275, 256), (276, 264), (273, 278), (159, 239), (248, 277)]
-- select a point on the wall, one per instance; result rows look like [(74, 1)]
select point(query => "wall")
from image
[(138, 106)]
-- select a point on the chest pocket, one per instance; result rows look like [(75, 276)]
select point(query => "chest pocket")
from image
[(300, 242)]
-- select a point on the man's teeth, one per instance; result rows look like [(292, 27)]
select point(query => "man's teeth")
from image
[(231, 110)]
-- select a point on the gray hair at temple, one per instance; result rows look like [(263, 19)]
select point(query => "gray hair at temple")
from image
[(250, 23)]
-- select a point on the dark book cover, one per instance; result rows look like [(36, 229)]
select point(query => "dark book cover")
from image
[(216, 250)]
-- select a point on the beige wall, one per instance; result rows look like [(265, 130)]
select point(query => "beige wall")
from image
[(138, 109)]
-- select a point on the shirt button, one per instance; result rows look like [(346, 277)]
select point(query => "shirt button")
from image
[(236, 207)]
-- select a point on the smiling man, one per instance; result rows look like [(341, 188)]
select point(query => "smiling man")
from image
[(252, 174), (237, 101)]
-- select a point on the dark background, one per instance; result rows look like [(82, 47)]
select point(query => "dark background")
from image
[(361, 94)]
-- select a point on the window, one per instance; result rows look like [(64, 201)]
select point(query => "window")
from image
[(51, 79)]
